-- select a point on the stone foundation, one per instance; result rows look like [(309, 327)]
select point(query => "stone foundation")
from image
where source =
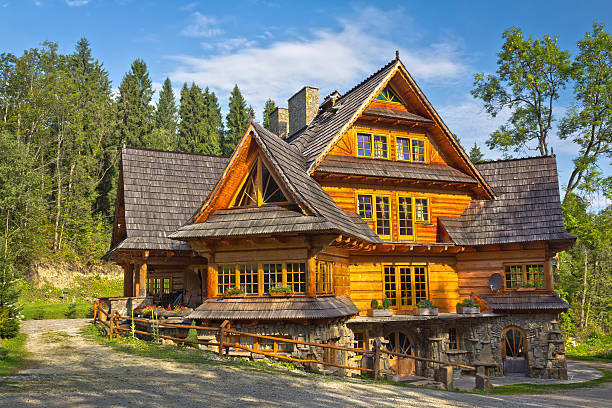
[(125, 305)]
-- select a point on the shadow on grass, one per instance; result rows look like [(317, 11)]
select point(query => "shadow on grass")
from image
[(16, 357)]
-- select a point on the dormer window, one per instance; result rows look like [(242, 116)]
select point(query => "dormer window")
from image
[(259, 188), (387, 95), (369, 145)]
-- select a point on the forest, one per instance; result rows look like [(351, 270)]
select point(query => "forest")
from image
[(62, 128)]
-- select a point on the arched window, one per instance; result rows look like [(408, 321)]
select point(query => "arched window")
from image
[(259, 188), (514, 342)]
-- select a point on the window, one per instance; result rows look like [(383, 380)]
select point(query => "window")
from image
[(406, 230), (159, 286), (272, 276), (421, 210), (296, 277), (226, 278), (365, 206), (402, 148), (380, 146), (257, 279), (383, 216), (453, 339), (387, 95), (249, 279), (259, 188), (361, 340), (525, 276), (418, 150), (324, 277), (364, 145), (405, 285)]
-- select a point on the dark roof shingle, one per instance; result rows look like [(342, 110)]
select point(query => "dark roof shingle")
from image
[(523, 302)]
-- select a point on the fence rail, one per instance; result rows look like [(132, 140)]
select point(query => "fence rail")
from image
[(224, 331)]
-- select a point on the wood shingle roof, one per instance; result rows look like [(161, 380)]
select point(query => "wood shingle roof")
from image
[(524, 302), (527, 206)]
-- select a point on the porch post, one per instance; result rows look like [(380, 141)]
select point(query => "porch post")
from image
[(142, 278), (128, 280), (548, 273), (312, 277), (211, 279)]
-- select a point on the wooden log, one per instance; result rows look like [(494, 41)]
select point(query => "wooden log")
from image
[(211, 278), (128, 280), (312, 277)]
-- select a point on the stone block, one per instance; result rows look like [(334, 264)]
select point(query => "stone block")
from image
[(483, 383), (444, 375)]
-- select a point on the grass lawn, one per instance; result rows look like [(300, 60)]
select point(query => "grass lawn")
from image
[(596, 347), (16, 355), (549, 388), (39, 311)]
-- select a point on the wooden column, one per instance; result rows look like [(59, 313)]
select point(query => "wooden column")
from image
[(128, 280), (548, 274), (140, 283), (312, 277), (211, 278)]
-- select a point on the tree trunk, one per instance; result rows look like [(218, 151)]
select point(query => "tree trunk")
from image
[(584, 288)]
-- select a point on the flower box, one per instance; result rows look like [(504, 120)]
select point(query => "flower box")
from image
[(528, 289), (426, 311), (380, 312), (468, 310), (280, 294)]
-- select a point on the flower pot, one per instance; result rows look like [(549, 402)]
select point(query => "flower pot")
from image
[(380, 312), (280, 294), (468, 310), (429, 311)]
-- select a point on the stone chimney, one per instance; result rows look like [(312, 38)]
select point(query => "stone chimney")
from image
[(303, 107), (279, 122)]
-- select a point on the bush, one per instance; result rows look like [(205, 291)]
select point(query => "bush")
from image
[(469, 302), (192, 335), (9, 322), (374, 304), (386, 303), (71, 312), (425, 304), (38, 314)]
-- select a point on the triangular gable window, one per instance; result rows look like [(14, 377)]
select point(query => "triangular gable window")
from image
[(259, 188), (388, 95)]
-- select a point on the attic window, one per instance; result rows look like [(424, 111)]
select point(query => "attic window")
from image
[(387, 95), (259, 188)]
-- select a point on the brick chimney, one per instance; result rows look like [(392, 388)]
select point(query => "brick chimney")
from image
[(279, 122), (303, 107)]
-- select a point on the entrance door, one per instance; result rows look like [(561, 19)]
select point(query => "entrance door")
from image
[(401, 342), (514, 351)]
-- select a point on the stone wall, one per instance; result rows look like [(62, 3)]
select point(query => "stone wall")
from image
[(125, 305)]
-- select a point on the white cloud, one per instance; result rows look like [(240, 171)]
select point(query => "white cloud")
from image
[(77, 3), (228, 45), (202, 26), (189, 6), (329, 59)]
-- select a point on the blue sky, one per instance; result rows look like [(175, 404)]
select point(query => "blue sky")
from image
[(272, 48)]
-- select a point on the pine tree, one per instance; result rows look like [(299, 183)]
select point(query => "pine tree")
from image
[(191, 112), (237, 121), (134, 105), (475, 154), (212, 125), (268, 109), (164, 119)]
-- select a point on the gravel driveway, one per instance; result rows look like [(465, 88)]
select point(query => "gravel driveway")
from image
[(68, 370)]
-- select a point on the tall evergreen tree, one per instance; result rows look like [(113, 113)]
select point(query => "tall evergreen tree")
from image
[(237, 121), (191, 112), (475, 154), (134, 105), (164, 119), (268, 109), (212, 125)]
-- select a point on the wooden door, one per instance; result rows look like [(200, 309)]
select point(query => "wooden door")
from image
[(401, 342), (514, 351)]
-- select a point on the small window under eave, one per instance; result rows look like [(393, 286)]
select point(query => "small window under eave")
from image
[(259, 188), (387, 95)]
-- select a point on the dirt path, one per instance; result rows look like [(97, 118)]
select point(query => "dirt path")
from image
[(71, 371)]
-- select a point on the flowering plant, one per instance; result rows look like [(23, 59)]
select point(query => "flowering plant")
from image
[(233, 291), (281, 289)]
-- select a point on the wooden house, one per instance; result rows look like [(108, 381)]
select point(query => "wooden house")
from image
[(364, 196)]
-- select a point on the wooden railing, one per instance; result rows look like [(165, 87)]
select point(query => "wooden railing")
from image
[(223, 333)]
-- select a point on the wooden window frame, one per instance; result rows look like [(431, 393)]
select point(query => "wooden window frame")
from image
[(374, 219), (371, 217), (425, 151), (409, 238), (416, 212), (259, 187), (260, 276), (365, 340), (454, 339), (397, 138), (299, 282), (155, 285), (388, 137), (357, 133), (396, 303), (524, 272), (388, 86), (327, 286), (384, 142)]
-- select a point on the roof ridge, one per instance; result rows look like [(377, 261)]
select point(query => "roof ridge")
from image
[(517, 159), (368, 78), (146, 149)]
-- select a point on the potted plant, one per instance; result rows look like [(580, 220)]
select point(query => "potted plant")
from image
[(525, 286), (468, 306), (233, 292), (383, 310), (425, 308), (280, 291)]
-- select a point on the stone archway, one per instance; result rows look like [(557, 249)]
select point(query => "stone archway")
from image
[(514, 351)]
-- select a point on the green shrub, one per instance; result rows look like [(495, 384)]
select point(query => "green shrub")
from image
[(425, 304), (38, 314), (374, 304), (9, 322), (469, 302), (71, 312), (386, 303), (192, 335)]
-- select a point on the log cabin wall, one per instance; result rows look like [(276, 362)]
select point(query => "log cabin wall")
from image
[(474, 268)]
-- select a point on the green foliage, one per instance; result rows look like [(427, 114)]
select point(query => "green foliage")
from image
[(201, 126), (386, 303), (592, 346), (468, 302), (425, 304), (192, 335), (165, 118), (237, 121), (476, 156), (530, 74), (135, 112), (40, 311), (268, 109), (278, 288), (15, 358), (71, 311), (374, 304)]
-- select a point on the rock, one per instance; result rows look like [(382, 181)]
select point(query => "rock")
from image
[(444, 375), (483, 383), (167, 342)]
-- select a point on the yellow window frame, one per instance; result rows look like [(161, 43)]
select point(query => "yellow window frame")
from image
[(374, 219), (403, 237), (374, 133), (325, 278), (235, 267), (397, 302), (416, 212), (540, 283), (259, 187)]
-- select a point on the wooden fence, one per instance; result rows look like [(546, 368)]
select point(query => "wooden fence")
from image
[(224, 331)]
